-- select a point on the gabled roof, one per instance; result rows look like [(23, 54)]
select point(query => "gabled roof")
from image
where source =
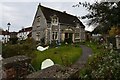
[(25, 29), (64, 18)]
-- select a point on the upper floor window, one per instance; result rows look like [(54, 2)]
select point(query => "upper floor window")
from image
[(38, 34), (37, 26), (77, 25), (38, 18), (54, 20)]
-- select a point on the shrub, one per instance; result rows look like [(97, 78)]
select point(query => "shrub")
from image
[(13, 40), (25, 48), (105, 66)]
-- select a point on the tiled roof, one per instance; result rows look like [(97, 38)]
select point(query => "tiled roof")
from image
[(2, 32), (64, 18), (13, 33), (25, 29), (5, 33)]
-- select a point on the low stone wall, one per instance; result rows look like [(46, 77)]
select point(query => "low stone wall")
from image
[(15, 67), (57, 72)]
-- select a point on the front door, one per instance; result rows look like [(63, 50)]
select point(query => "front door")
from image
[(68, 37)]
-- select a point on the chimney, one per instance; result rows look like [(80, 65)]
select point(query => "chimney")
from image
[(64, 11), (39, 4)]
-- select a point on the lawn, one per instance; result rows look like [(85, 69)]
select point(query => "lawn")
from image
[(63, 55), (96, 48)]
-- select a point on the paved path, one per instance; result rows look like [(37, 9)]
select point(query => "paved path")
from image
[(86, 51), (73, 71)]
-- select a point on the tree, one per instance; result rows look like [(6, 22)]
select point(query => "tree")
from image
[(102, 14), (114, 31)]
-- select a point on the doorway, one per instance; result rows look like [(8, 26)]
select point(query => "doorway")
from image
[(68, 37)]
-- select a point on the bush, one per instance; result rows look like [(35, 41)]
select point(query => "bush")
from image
[(13, 40), (105, 66), (25, 48)]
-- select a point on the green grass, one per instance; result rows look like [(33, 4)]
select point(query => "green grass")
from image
[(64, 55), (96, 48), (98, 52)]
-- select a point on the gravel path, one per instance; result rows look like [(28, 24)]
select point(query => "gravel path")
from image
[(86, 51)]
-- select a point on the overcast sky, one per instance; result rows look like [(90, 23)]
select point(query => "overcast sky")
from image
[(20, 14)]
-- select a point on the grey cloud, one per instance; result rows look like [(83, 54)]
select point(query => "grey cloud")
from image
[(21, 14)]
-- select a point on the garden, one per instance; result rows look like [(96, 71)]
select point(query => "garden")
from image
[(64, 55)]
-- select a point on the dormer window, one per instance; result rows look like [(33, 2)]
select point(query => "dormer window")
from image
[(77, 25), (54, 20)]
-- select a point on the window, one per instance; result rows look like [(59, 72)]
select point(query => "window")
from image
[(54, 20), (77, 26), (2, 38), (38, 33), (38, 26), (37, 36), (38, 19), (54, 36), (77, 35)]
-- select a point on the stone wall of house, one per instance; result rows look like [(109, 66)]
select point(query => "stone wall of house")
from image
[(78, 33), (39, 26), (42, 29)]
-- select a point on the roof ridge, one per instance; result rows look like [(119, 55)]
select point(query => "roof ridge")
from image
[(65, 18), (57, 11)]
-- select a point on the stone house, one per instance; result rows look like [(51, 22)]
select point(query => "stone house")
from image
[(52, 25)]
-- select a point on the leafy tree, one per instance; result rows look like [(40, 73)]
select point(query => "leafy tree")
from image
[(113, 31), (102, 14), (25, 48)]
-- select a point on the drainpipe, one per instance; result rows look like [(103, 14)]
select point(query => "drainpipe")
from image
[(59, 34), (51, 34)]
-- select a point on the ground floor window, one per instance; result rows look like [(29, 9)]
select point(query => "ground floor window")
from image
[(77, 36), (37, 36), (54, 35)]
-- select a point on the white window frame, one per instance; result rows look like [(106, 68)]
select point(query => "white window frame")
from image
[(54, 20), (77, 36)]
